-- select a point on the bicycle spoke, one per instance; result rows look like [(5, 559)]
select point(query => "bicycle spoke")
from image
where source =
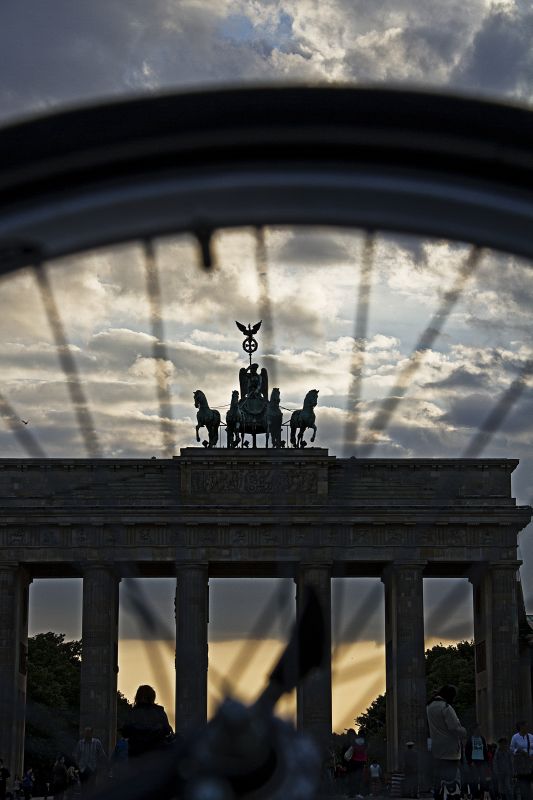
[(149, 622), (358, 670), (361, 617), (159, 349), (68, 365), (360, 339), (371, 691), (441, 612), (265, 621), (25, 438), (338, 595), (265, 304), (498, 414), (426, 340)]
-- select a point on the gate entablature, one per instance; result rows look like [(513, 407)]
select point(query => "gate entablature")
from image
[(256, 506)]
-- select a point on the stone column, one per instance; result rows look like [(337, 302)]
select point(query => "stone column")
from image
[(526, 700), (192, 610), (314, 692), (497, 649), (405, 665), (99, 663), (14, 583)]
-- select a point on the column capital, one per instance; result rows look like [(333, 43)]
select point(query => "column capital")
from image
[(512, 565), (102, 566), (410, 565), (9, 566), (480, 569), (191, 565), (328, 565)]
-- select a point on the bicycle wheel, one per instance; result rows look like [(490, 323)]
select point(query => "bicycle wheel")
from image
[(382, 160), (375, 160)]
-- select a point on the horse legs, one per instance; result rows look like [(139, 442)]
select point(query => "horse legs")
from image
[(197, 434), (293, 436), (314, 433)]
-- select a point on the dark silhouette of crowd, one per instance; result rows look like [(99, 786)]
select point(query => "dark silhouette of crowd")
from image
[(75, 775), (457, 763)]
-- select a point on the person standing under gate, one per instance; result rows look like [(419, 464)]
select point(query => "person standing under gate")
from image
[(447, 735), (410, 770), (522, 750), (502, 769), (89, 756), (4, 775), (147, 727), (477, 759), (356, 760)]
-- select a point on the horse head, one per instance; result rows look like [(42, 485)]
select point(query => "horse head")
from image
[(311, 398), (234, 398), (199, 398), (275, 396)]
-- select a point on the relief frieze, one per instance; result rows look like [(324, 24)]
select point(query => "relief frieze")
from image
[(254, 481)]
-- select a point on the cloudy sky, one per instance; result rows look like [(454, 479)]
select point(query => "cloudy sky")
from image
[(57, 54)]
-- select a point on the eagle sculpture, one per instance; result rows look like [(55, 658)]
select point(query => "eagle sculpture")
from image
[(250, 330)]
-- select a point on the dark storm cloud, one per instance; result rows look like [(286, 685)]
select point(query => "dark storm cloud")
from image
[(470, 411), (461, 378), (500, 58), (312, 249), (448, 608), (60, 52), (56, 605)]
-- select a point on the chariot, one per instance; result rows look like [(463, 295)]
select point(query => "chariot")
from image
[(252, 411)]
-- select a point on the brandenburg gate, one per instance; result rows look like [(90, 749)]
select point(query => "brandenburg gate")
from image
[(222, 512), (243, 511)]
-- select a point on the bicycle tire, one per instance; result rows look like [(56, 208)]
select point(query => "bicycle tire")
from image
[(410, 162)]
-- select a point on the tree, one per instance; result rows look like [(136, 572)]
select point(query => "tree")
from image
[(53, 699), (52, 704), (372, 721), (444, 664), (454, 664)]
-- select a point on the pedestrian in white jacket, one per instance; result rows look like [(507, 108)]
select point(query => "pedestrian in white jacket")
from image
[(447, 735)]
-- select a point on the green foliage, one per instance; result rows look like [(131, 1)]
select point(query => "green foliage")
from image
[(54, 670), (53, 700), (372, 721), (454, 664), (444, 664)]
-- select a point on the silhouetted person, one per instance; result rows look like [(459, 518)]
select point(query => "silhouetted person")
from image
[(477, 758), (89, 755), (502, 768), (147, 727), (27, 783), (119, 758), (447, 735), (356, 760), (410, 770), (522, 750), (59, 778), (375, 773), (4, 775)]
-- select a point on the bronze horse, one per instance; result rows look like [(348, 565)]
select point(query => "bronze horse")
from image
[(234, 422), (206, 417), (274, 420), (304, 418)]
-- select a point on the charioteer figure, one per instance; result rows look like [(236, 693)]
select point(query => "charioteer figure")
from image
[(253, 384)]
